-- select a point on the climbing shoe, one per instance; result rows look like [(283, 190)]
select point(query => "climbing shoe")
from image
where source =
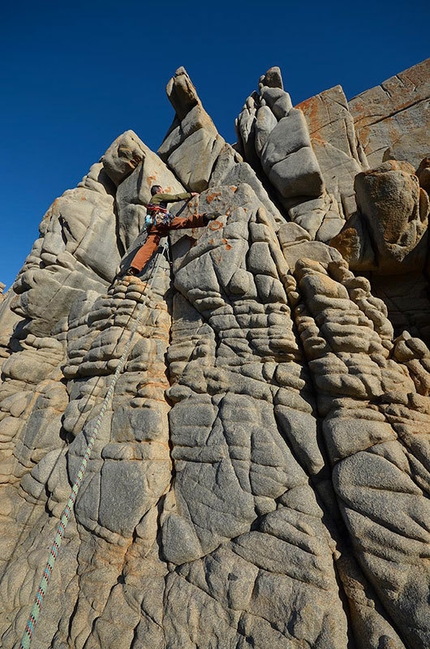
[(131, 272)]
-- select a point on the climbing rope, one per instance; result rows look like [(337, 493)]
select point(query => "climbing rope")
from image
[(67, 512)]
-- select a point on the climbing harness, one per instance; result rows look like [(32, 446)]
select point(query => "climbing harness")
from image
[(153, 211), (67, 512)]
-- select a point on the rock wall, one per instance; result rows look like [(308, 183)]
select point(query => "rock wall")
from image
[(261, 477)]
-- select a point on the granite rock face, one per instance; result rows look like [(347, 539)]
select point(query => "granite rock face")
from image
[(261, 474), (392, 120)]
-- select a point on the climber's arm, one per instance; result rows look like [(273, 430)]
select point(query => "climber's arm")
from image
[(171, 198), (196, 221)]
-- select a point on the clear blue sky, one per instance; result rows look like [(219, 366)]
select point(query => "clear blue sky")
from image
[(75, 75)]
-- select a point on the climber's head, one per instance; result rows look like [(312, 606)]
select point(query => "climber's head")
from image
[(156, 189)]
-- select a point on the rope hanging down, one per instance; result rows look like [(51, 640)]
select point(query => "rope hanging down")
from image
[(67, 512)]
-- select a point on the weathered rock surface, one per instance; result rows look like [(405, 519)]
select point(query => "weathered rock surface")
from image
[(392, 120), (261, 475), (388, 232), (339, 153)]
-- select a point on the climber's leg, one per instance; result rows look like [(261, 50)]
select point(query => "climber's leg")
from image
[(144, 254)]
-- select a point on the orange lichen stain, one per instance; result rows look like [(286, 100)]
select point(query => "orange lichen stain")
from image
[(226, 244), (233, 188), (215, 225), (211, 197), (306, 103), (316, 137), (313, 114)]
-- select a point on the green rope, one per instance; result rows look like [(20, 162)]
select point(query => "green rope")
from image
[(67, 512)]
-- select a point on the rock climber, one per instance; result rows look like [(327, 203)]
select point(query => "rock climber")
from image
[(159, 222)]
